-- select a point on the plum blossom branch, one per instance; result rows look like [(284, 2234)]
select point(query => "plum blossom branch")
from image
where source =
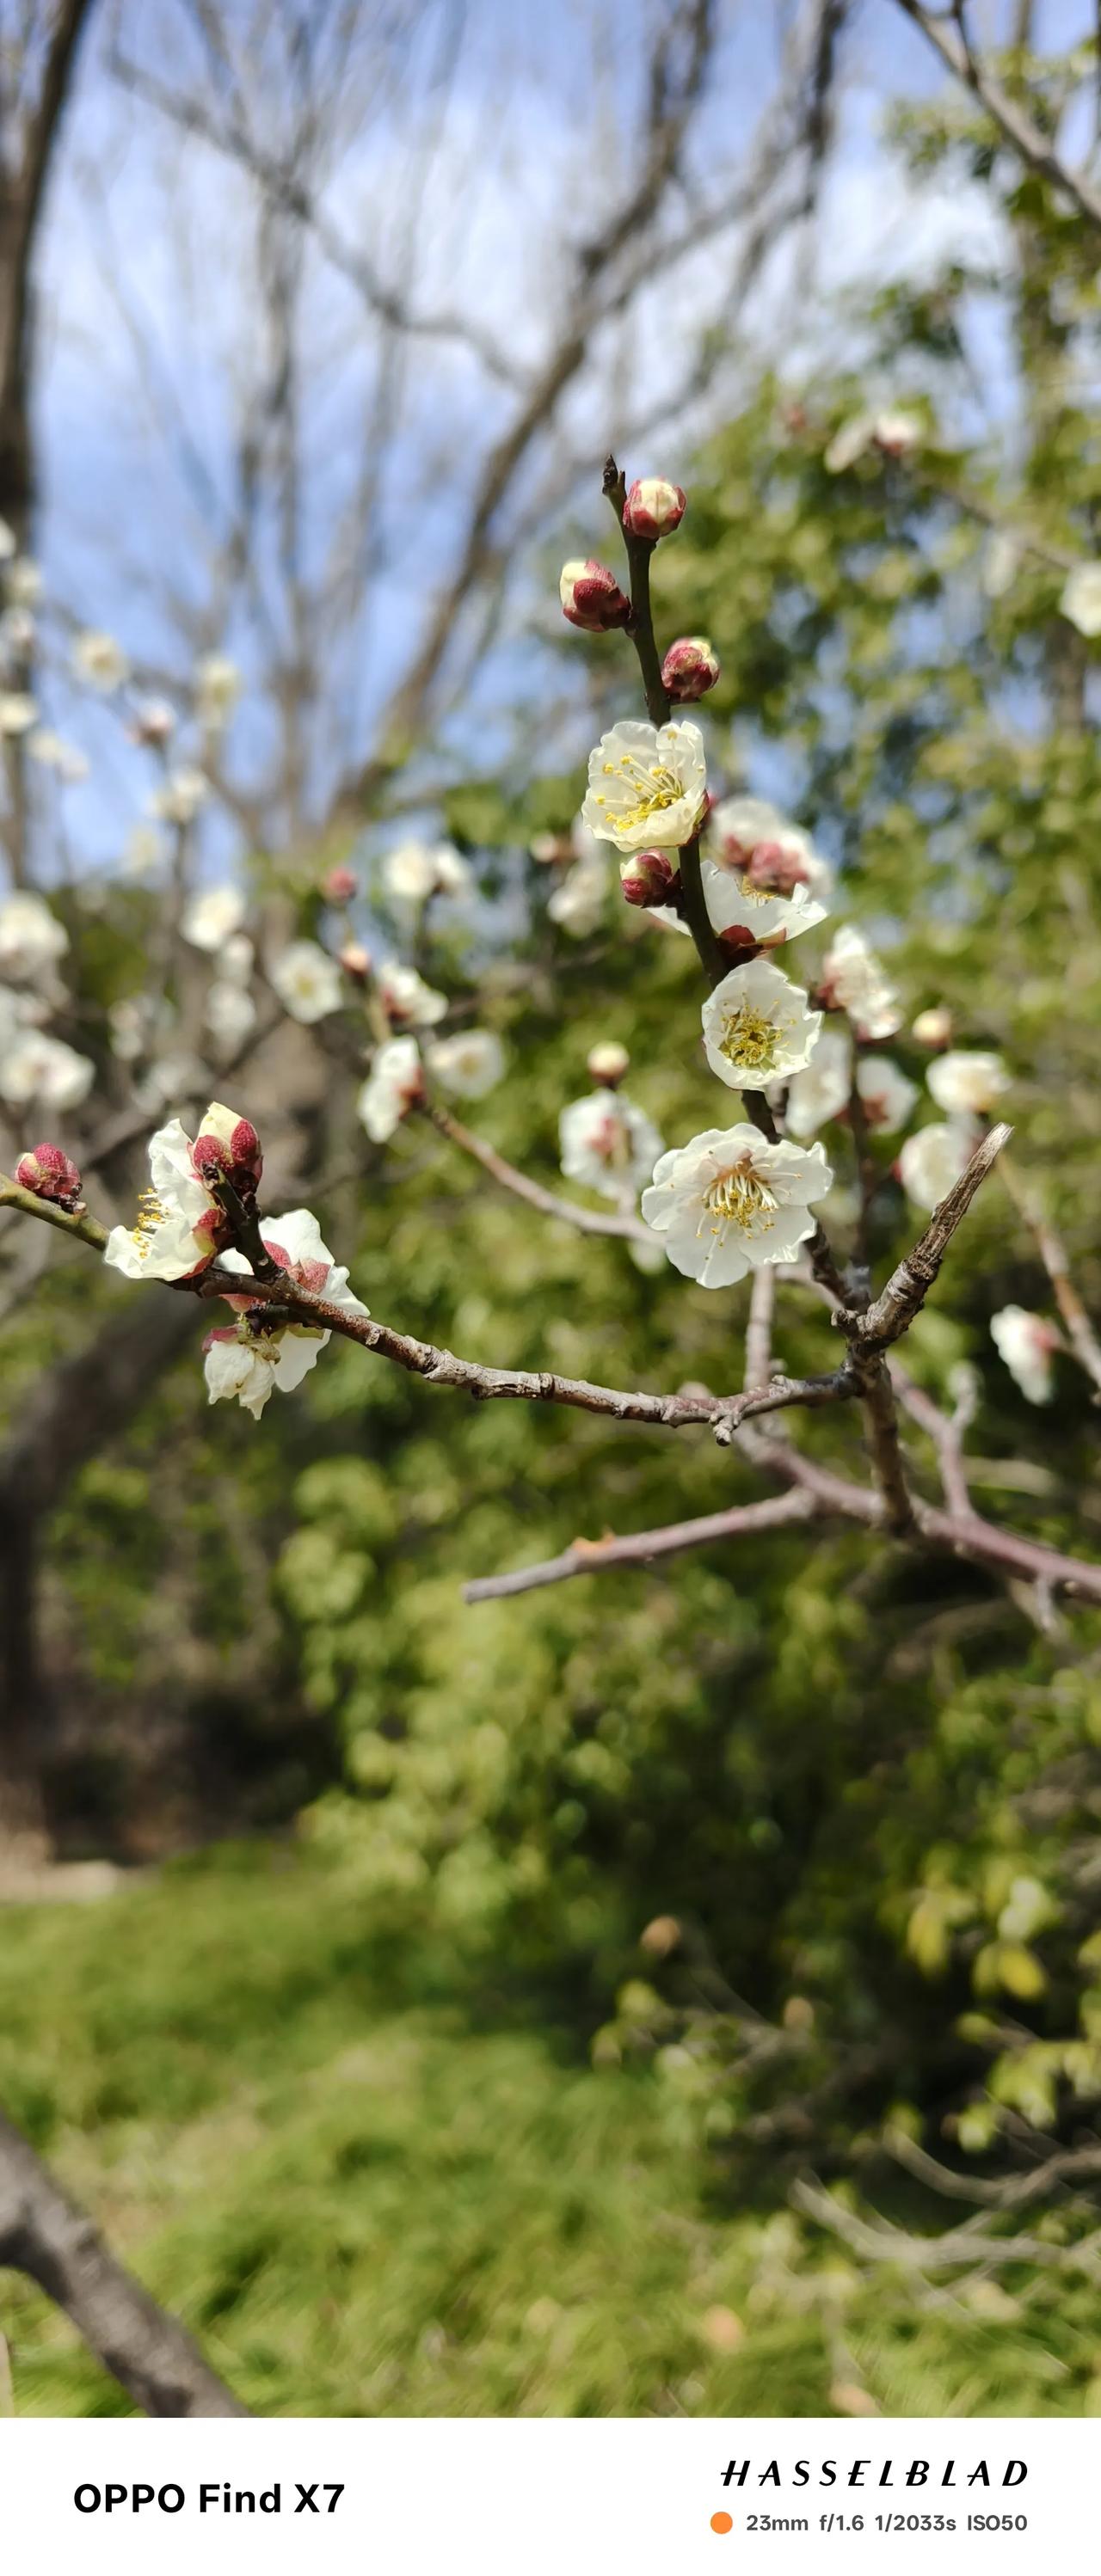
[(893, 1311), (1083, 1339), (645, 1547), (585, 1220)]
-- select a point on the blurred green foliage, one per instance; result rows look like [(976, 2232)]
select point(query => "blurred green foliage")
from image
[(373, 2185)]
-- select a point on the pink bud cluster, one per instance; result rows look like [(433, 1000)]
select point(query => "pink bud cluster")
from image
[(591, 597), (49, 1174)]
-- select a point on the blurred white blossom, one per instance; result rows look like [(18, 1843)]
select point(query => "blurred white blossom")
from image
[(44, 1070), (100, 661), (395, 1081), (30, 936), (607, 1144), (467, 1064), (1027, 1344), (931, 1161), (213, 916), (307, 981)]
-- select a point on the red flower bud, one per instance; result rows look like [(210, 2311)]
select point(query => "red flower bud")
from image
[(741, 937), (356, 960), (50, 1175), (648, 877), (691, 667), (340, 885), (653, 507), (591, 597)]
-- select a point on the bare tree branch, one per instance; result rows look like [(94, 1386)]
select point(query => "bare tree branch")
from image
[(1012, 120), (44, 2234), (646, 1547)]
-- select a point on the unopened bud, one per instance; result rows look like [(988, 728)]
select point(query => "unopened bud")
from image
[(690, 668), (653, 507), (356, 960), (608, 1063), (591, 597), (552, 849), (648, 876), (49, 1174), (660, 1937), (741, 937), (933, 1028), (228, 1148), (340, 885), (154, 721), (896, 433)]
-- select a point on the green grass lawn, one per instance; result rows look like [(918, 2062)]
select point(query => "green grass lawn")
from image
[(424, 2202)]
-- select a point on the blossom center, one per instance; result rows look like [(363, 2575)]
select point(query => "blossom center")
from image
[(643, 788), (151, 1214), (750, 1039), (739, 1197)]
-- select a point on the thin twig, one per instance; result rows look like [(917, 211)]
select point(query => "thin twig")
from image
[(1083, 1339), (597, 1556), (625, 1225)]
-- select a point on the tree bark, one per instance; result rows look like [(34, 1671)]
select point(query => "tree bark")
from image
[(45, 2235)]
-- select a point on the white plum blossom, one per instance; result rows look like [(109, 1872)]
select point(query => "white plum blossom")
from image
[(99, 661), (17, 632), (1001, 563), (30, 937), (647, 786), (887, 1093), (577, 903), (18, 712), (395, 1081), (7, 542), (53, 752), (896, 433), (853, 980), (730, 1202), (183, 793), (250, 1359), (413, 872), (130, 1021), (735, 903), (406, 998), (212, 917), (307, 981), (453, 876), (967, 1081), (821, 1090), (932, 1160), (1027, 1344), (237, 959), (468, 1064), (218, 686), (45, 1070), (180, 1226), (933, 1028), (1080, 599), (607, 1144), (748, 835), (171, 1077), (23, 581), (229, 1014), (409, 872), (757, 1028), (144, 849)]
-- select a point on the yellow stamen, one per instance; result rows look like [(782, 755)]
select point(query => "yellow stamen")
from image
[(751, 1041), (738, 1197)]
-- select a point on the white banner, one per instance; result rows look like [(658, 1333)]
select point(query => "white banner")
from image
[(660, 2498)]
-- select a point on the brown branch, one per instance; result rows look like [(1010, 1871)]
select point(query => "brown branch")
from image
[(1083, 1339), (44, 2234), (586, 1220), (893, 1311), (597, 1556), (1013, 121), (639, 551), (82, 1226), (945, 1430)]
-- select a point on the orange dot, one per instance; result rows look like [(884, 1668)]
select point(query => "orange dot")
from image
[(722, 2522)]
